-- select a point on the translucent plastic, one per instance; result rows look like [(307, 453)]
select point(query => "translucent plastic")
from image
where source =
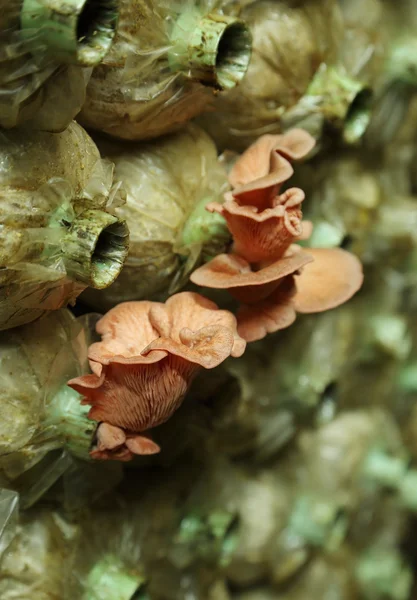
[(165, 182), (157, 75), (290, 41), (39, 412), (36, 564), (39, 87), (52, 186)]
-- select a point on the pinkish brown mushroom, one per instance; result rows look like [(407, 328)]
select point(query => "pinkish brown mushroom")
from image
[(262, 221), (266, 234), (305, 281), (273, 277), (262, 158), (235, 274), (144, 364), (329, 280)]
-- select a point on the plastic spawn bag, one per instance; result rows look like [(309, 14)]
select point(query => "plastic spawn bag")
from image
[(37, 562), (303, 73), (57, 234), (47, 51), (45, 431), (168, 183), (168, 60), (39, 411)]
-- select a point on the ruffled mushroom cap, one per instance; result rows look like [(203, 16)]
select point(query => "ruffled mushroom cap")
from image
[(266, 234), (263, 167), (328, 281), (262, 222), (231, 272), (259, 160), (146, 360)]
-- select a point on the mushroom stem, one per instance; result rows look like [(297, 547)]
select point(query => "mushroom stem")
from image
[(213, 49), (95, 248), (69, 416), (74, 31), (110, 579)]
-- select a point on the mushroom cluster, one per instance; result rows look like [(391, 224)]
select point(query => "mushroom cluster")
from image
[(272, 276), (142, 368)]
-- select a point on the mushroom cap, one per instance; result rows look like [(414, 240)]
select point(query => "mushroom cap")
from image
[(228, 271), (263, 167), (295, 144), (262, 191), (331, 279), (146, 360), (258, 160), (187, 325)]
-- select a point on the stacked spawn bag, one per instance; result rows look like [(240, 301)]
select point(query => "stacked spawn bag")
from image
[(58, 231), (167, 62), (35, 563), (45, 432), (196, 529), (168, 183), (47, 51), (326, 63), (250, 529)]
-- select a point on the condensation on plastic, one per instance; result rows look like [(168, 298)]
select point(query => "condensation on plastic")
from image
[(35, 90), (45, 181), (37, 360), (164, 180), (290, 41), (135, 93)]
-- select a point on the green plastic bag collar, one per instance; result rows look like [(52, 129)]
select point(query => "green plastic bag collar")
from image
[(77, 32)]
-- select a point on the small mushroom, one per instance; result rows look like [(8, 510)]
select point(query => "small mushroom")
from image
[(264, 222)]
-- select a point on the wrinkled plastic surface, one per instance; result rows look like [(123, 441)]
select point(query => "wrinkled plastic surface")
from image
[(36, 564), (9, 506), (45, 181)]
